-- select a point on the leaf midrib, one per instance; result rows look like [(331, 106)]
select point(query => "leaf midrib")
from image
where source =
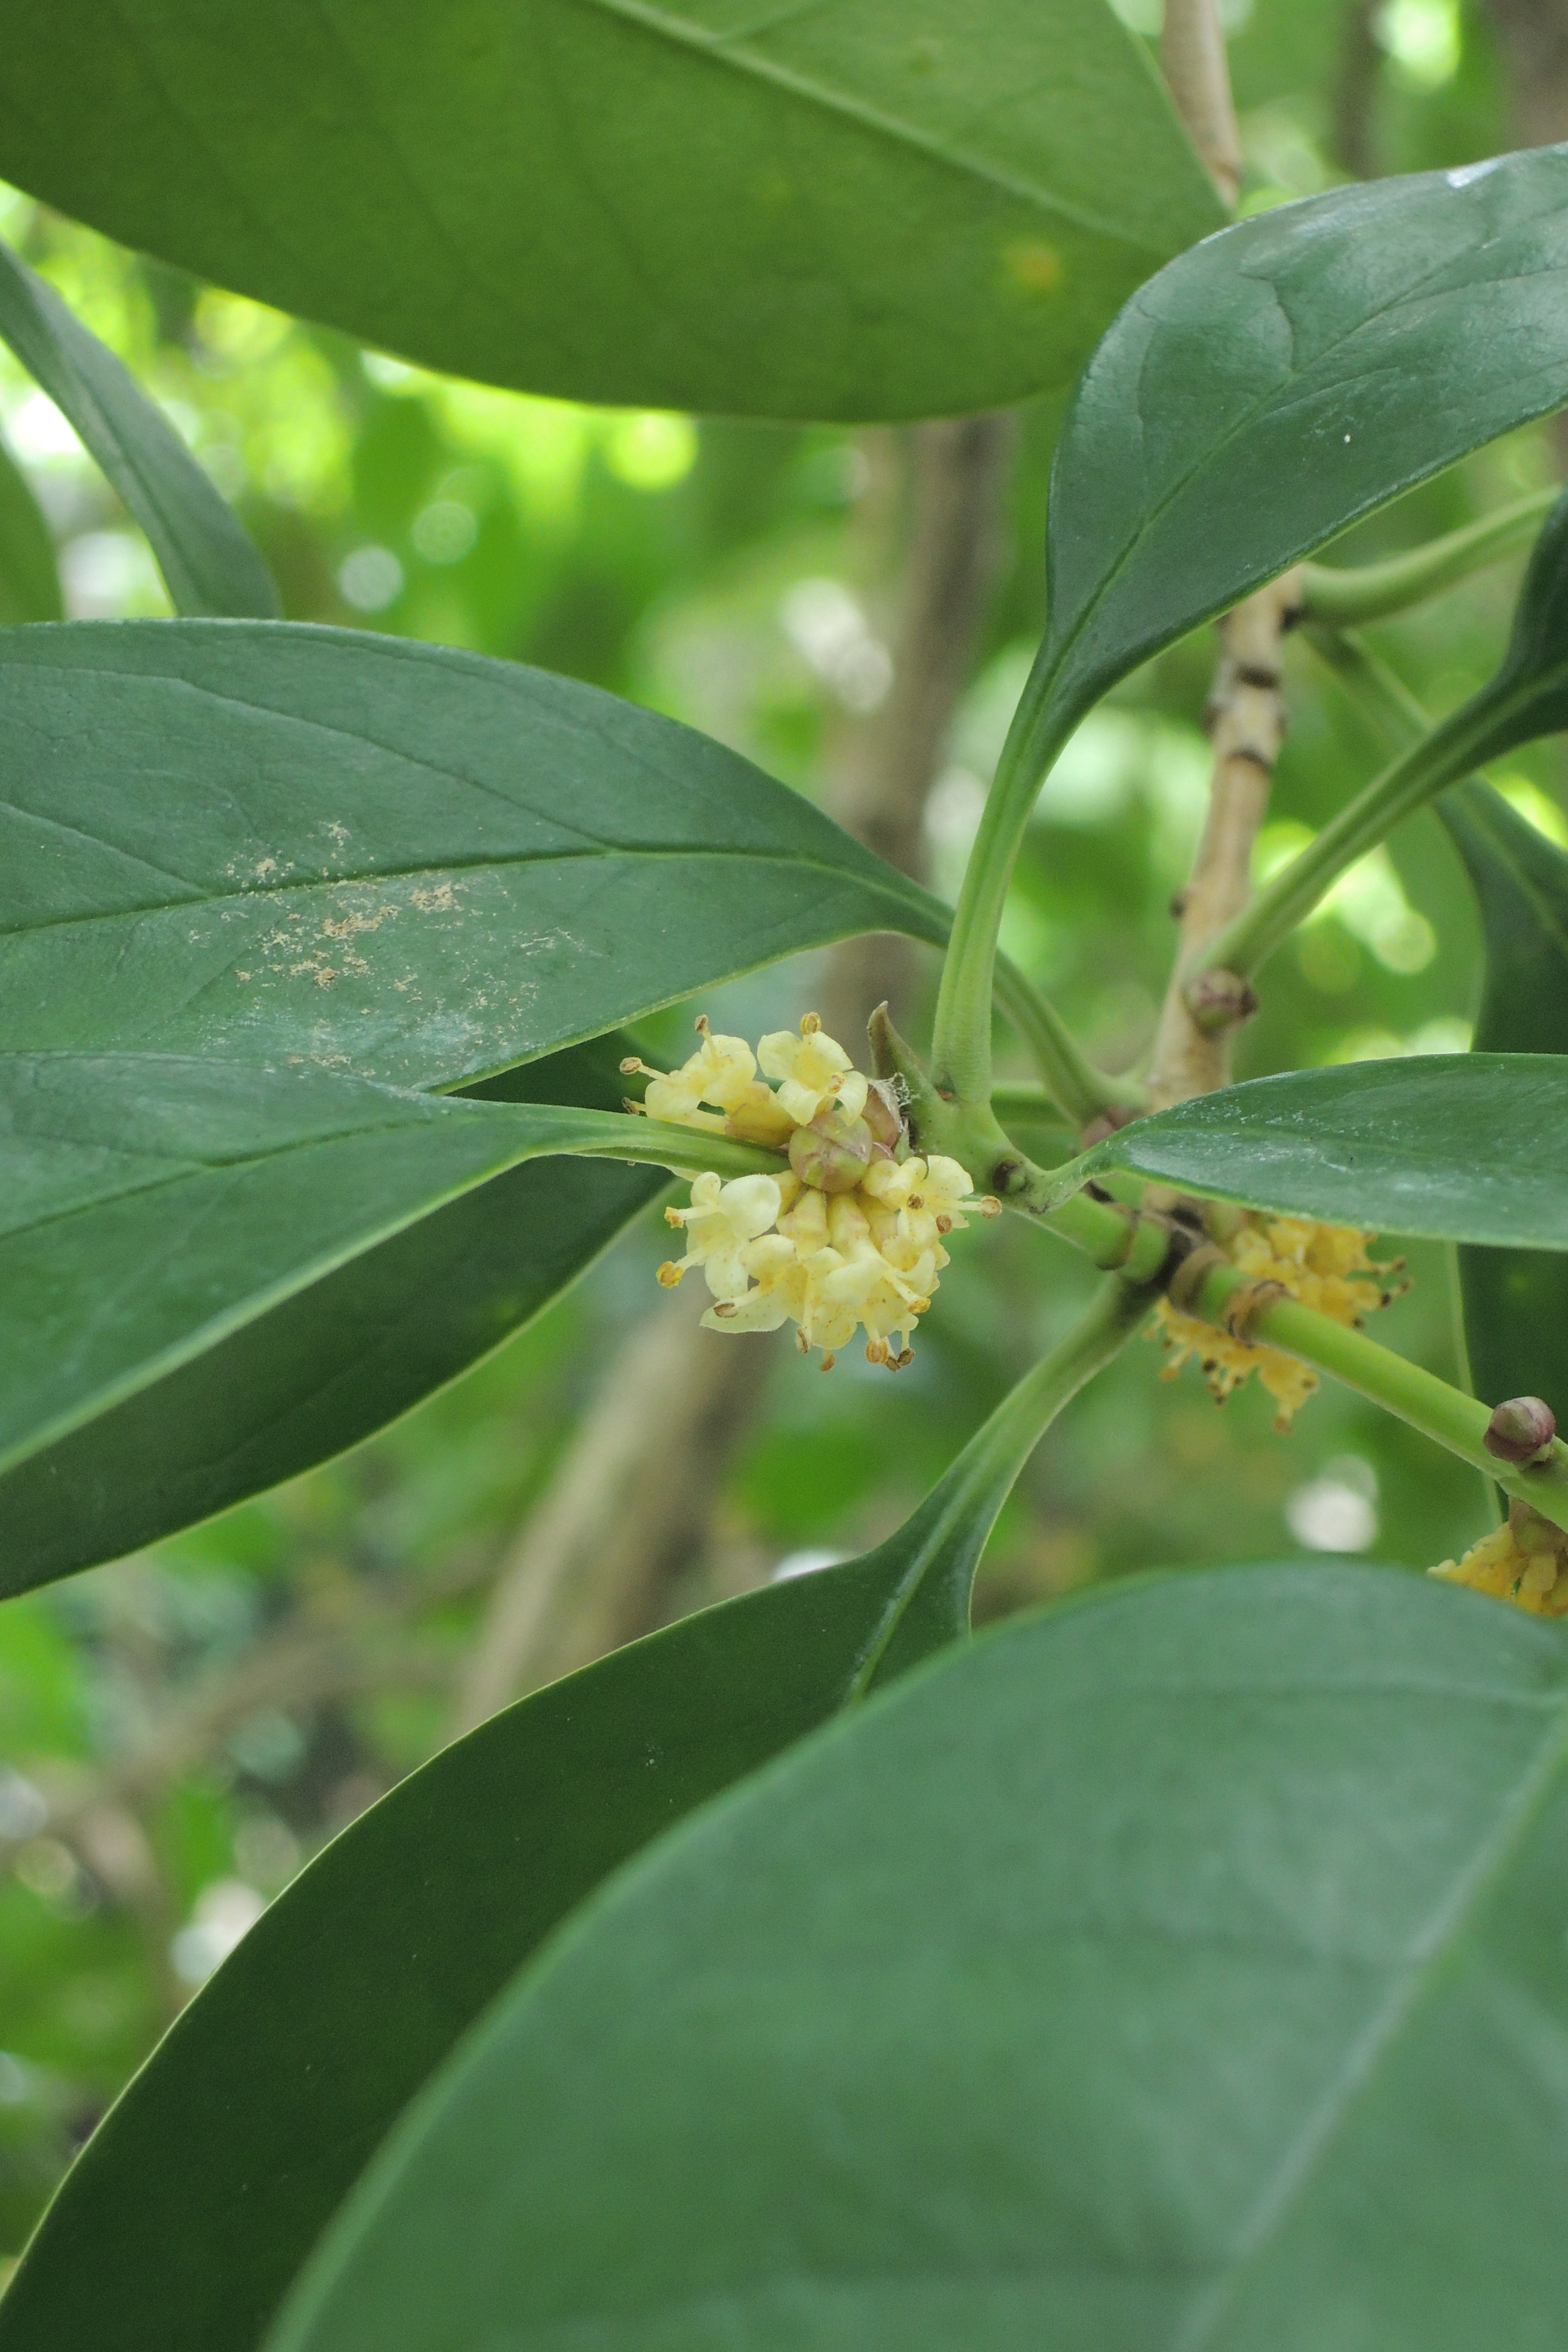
[(913, 902), (1300, 2169), (723, 51)]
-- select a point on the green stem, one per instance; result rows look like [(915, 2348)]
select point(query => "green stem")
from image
[(654, 1143), (1443, 1413), (1343, 598), (1074, 1083), (960, 1047), (959, 1513), (1448, 752), (1385, 698)]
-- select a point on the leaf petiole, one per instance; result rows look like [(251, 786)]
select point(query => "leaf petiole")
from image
[(1346, 596)]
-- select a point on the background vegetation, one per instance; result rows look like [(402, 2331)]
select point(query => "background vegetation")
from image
[(181, 1729)]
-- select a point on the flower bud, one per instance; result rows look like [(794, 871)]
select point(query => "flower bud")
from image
[(882, 1115), (1519, 1429), (833, 1153)]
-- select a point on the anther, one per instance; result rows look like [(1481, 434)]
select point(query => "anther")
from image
[(828, 1362), (669, 1273), (724, 1310), (631, 1065), (700, 1024), (810, 1022)]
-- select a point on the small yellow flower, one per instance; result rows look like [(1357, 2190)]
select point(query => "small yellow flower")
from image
[(1525, 1560), (722, 1220), (813, 1070), (1325, 1266)]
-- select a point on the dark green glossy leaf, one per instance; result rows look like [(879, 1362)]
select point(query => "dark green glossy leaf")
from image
[(416, 864), (194, 2204), (210, 563), (334, 1362), (151, 1206), (884, 208), (1284, 378), (1462, 1147), (1516, 1301), (29, 572), (1186, 1966)]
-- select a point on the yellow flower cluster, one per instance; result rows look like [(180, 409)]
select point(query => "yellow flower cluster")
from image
[(1324, 1267), (850, 1235), (1523, 1562)]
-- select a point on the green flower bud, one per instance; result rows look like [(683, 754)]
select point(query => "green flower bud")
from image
[(834, 1152)]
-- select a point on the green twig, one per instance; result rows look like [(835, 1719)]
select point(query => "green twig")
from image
[(1346, 597), (967, 1498), (1074, 1083), (1384, 697), (1441, 1412), (1447, 753)]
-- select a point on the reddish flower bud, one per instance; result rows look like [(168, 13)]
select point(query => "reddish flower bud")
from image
[(1519, 1429)]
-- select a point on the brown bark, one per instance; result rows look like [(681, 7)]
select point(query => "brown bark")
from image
[(1247, 717)]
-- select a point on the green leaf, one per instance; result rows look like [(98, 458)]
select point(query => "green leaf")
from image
[(209, 2183), (1516, 1301), (1283, 379), (1460, 1147), (335, 1361), (884, 208), (29, 572), (1181, 1967), (272, 1180), (415, 864), (210, 563)]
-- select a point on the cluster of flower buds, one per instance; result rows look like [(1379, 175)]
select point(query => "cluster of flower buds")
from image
[(849, 1233), (1326, 1267)]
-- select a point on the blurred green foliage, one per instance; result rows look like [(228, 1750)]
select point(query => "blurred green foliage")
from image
[(179, 1731)]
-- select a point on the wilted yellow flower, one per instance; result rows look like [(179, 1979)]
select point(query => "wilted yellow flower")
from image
[(723, 1073), (1523, 1562), (1326, 1267), (793, 1248)]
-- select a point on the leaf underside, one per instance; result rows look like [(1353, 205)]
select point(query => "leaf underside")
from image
[(873, 210), (211, 564), (1516, 1301)]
